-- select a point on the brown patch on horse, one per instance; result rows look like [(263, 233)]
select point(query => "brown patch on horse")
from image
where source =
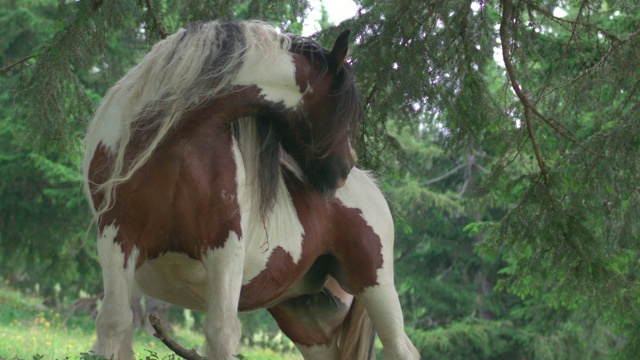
[(270, 283), (184, 198), (348, 237), (359, 249), (337, 241)]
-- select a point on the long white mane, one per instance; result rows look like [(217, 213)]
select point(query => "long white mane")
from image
[(180, 73)]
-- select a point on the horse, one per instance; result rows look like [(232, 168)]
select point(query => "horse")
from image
[(221, 177)]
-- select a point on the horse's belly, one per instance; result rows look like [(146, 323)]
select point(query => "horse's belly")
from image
[(279, 277), (181, 280), (176, 279)]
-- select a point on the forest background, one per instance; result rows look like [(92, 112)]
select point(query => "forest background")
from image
[(505, 135)]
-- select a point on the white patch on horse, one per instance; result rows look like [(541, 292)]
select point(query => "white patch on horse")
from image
[(272, 70), (103, 133), (175, 278), (115, 320), (281, 227), (382, 303), (383, 306), (107, 132), (361, 192)]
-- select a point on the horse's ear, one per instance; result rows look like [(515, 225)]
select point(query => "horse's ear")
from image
[(339, 52)]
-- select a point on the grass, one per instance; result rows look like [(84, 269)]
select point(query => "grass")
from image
[(29, 330)]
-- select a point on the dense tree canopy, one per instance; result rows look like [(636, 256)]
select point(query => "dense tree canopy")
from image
[(505, 134)]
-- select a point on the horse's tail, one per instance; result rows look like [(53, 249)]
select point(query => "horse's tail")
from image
[(357, 335)]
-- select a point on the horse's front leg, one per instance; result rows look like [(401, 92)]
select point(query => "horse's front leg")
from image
[(224, 271), (115, 320)]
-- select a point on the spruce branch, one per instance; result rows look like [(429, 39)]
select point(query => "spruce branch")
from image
[(506, 56), (504, 161), (371, 96), (618, 43), (10, 66), (156, 22), (463, 189), (631, 95), (180, 350), (574, 33), (564, 23), (529, 108), (445, 175), (609, 52)]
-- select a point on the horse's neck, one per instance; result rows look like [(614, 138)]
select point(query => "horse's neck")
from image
[(280, 226)]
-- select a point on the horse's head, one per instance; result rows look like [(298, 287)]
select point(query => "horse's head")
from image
[(320, 128)]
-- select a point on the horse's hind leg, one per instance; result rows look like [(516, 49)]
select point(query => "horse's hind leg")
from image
[(383, 306), (115, 320), (315, 322), (365, 257)]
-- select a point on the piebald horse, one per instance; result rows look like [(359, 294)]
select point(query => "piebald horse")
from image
[(221, 177)]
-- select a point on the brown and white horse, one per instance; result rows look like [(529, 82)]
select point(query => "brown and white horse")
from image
[(220, 173)]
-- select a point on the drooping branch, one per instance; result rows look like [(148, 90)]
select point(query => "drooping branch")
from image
[(11, 66), (506, 56), (156, 22), (161, 333), (464, 187), (468, 166), (445, 175), (571, 26), (574, 33), (529, 108), (611, 50)]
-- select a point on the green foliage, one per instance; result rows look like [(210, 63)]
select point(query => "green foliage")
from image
[(44, 215), (562, 241), (504, 249), (30, 330), (464, 340)]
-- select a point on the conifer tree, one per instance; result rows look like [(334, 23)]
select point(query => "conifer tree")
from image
[(515, 120)]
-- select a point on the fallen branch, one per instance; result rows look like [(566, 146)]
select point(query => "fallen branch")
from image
[(161, 333)]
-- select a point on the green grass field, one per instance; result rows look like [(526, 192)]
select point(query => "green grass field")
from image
[(28, 330)]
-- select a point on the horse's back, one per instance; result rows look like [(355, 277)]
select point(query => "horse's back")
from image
[(181, 200)]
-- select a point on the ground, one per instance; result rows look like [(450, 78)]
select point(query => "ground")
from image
[(30, 330)]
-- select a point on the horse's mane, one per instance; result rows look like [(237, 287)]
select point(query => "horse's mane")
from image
[(182, 72)]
